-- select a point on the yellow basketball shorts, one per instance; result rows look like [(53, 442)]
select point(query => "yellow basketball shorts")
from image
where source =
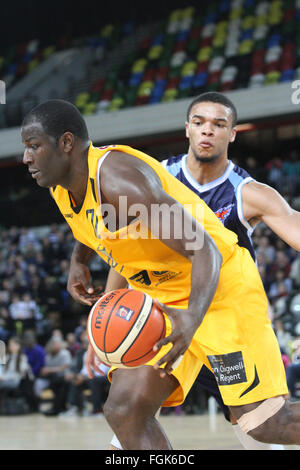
[(235, 340)]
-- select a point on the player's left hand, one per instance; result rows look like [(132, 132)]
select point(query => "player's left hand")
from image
[(184, 325), (93, 363)]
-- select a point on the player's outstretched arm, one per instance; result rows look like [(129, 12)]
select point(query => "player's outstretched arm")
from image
[(125, 175), (261, 203)]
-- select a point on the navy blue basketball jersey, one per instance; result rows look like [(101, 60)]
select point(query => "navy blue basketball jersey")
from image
[(222, 195)]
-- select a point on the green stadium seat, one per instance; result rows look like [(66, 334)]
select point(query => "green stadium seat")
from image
[(116, 104), (272, 78), (170, 95), (89, 108), (81, 100)]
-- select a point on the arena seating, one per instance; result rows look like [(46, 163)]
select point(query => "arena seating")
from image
[(229, 45), (234, 44)]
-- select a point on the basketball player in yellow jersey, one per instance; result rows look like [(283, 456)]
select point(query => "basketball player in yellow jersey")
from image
[(214, 298)]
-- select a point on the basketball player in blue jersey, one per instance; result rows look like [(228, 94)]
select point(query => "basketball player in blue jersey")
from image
[(238, 200)]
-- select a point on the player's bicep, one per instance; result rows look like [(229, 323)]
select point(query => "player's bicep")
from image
[(138, 188), (163, 217), (173, 224), (260, 201)]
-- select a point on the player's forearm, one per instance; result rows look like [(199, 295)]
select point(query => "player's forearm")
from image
[(292, 235), (115, 281), (82, 254), (286, 226)]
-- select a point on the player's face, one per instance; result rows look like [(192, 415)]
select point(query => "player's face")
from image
[(209, 131), (46, 164)]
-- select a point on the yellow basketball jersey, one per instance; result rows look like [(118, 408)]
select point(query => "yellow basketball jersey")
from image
[(146, 262)]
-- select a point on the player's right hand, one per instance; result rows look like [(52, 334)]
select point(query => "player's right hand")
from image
[(80, 287), (184, 323)]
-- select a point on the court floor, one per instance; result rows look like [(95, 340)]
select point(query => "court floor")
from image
[(38, 432)]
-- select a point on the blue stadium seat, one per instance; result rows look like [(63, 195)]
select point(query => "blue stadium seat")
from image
[(200, 79)]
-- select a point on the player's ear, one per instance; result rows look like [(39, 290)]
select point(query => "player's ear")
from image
[(67, 141), (233, 134), (187, 130)]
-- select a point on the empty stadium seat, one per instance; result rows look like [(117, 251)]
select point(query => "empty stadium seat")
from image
[(225, 45)]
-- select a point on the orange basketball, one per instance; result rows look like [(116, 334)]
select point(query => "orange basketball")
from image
[(123, 326)]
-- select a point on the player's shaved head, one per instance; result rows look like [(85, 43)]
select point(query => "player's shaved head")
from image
[(57, 117)]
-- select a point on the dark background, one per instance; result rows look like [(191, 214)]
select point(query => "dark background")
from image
[(30, 19)]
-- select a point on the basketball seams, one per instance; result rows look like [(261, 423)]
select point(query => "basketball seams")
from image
[(131, 335), (90, 333), (161, 336), (145, 323), (134, 332), (132, 326), (90, 329), (107, 323)]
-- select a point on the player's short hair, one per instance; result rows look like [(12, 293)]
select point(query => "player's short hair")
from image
[(214, 97), (57, 117)]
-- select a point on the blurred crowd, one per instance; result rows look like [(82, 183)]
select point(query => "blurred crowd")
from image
[(34, 266), (45, 330)]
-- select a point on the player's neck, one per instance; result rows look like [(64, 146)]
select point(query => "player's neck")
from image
[(205, 172), (78, 179)]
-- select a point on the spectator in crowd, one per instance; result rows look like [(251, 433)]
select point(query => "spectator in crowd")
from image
[(35, 353), (63, 273), (58, 360), (254, 169), (51, 294), (77, 381), (295, 271), (14, 371), (282, 263), (281, 286), (291, 170), (4, 331), (4, 298), (27, 237), (25, 310), (72, 344), (274, 172), (293, 370), (284, 337), (99, 386), (285, 358), (81, 327), (265, 247), (6, 291)]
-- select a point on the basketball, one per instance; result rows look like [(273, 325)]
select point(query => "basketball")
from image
[(123, 326)]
